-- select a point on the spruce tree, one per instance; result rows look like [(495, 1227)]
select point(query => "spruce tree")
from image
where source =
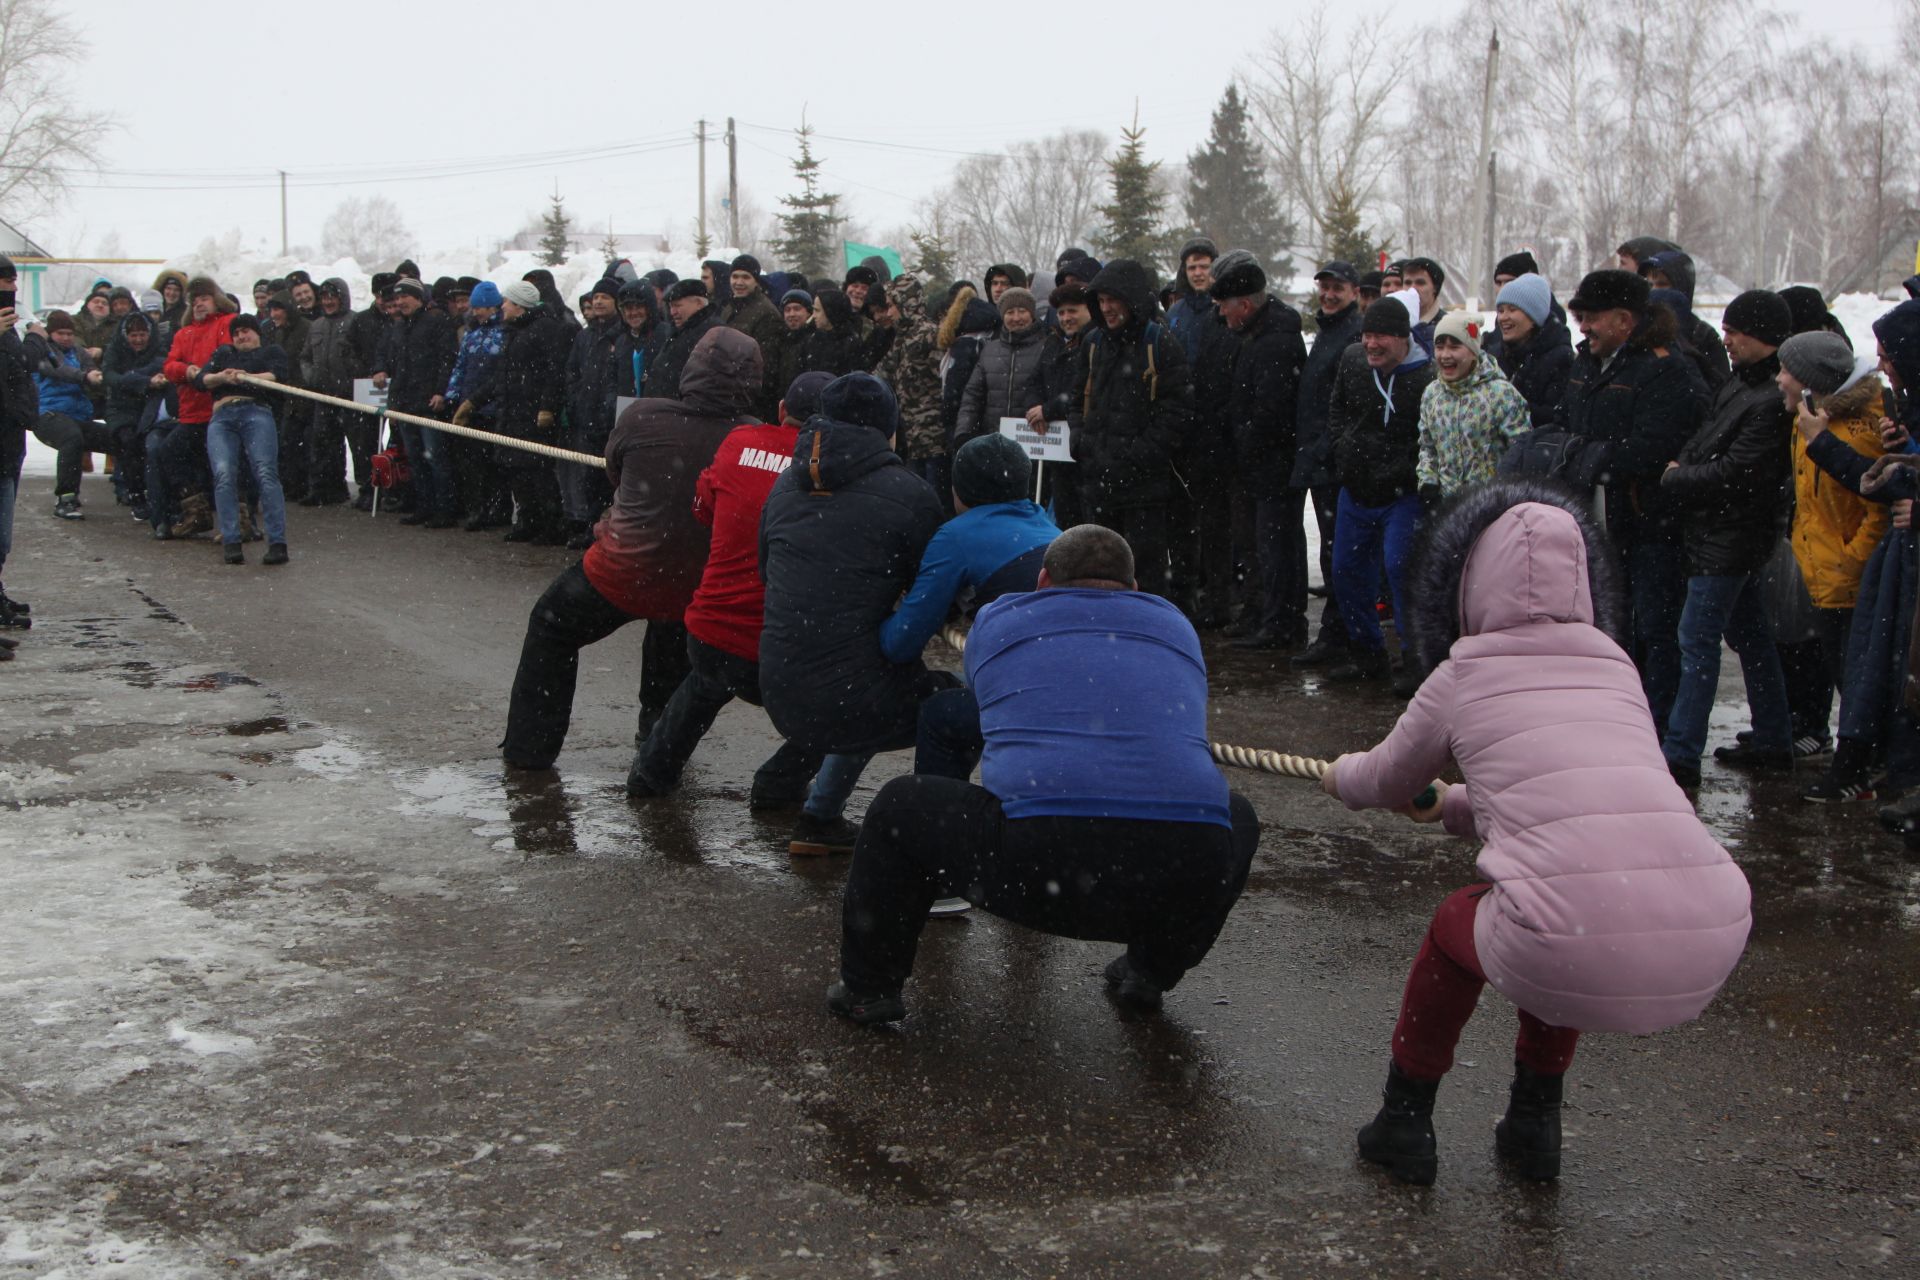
[(610, 247), (554, 239), (1343, 238), (1135, 227), (1228, 199), (933, 258), (808, 231)]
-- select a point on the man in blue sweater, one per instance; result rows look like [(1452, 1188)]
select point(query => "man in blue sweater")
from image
[(1102, 815)]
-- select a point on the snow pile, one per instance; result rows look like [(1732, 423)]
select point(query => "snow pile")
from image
[(1856, 313)]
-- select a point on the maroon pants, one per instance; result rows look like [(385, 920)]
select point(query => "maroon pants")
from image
[(1441, 994)]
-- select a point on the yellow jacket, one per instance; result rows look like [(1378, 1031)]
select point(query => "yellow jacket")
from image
[(1835, 529)]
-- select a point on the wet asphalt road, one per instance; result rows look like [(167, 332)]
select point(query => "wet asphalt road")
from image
[(297, 985)]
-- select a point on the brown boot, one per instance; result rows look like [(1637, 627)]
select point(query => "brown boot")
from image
[(196, 516)]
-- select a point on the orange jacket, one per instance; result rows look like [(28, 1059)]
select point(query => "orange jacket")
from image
[(1834, 529)]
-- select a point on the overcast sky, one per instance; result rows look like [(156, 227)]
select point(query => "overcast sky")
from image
[(357, 97)]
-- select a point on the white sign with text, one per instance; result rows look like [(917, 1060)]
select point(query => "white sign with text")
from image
[(1049, 444)]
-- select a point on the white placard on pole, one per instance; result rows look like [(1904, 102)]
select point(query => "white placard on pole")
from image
[(364, 392), (1049, 445), (620, 404)]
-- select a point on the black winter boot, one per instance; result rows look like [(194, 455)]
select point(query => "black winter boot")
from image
[(1529, 1136), (1401, 1136)]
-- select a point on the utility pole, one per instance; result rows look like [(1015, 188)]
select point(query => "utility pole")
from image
[(733, 189), (1493, 208), (283, 213), (703, 187), (1480, 273)]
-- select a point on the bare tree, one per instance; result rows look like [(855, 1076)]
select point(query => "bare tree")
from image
[(1324, 103), (369, 231), (1026, 205), (44, 137), (757, 224)]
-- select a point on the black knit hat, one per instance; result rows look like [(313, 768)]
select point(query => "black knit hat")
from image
[(244, 321), (1237, 275), (1809, 308), (1762, 315), (1388, 316), (443, 288), (409, 285), (1428, 265), (991, 468), (608, 286), (685, 289), (661, 278), (802, 400), (1516, 264), (1197, 245), (1611, 289), (748, 263)]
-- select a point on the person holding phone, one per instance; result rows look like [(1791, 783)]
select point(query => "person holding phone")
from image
[(19, 406)]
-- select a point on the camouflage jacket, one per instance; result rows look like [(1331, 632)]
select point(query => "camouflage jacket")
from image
[(912, 368)]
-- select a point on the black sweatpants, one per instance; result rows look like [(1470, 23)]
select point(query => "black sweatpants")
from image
[(569, 616), (72, 440), (1145, 527), (1162, 888)]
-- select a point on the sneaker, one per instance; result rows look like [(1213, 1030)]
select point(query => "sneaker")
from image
[(864, 1007), (142, 513), (276, 553), (1832, 790), (1808, 746), (813, 837), (947, 908), (1743, 755), (67, 507), (1130, 986)]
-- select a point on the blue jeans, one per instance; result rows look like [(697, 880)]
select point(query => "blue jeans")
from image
[(431, 463), (1726, 605), (247, 426), (9, 491), (1363, 537)]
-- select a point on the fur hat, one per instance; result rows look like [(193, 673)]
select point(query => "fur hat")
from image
[(1762, 315), (1237, 275), (205, 287), (991, 468), (861, 275), (802, 400), (1611, 289), (521, 293), (686, 289), (1018, 297), (1462, 328), (860, 400), (1070, 293), (383, 283), (1821, 362), (1529, 292), (484, 294)]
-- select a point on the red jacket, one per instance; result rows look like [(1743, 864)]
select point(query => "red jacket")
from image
[(727, 608), (195, 344)]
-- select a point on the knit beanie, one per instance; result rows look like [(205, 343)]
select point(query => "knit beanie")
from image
[(802, 400), (1819, 361), (1462, 328), (521, 293), (861, 400), (485, 294), (1762, 315), (1517, 264), (1808, 307), (408, 285), (150, 300), (800, 296), (1391, 315), (991, 468), (244, 321), (1531, 293), (1237, 275), (1018, 297), (58, 320), (748, 263), (606, 285)]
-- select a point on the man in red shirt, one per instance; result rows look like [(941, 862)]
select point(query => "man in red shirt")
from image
[(723, 622), (648, 551)]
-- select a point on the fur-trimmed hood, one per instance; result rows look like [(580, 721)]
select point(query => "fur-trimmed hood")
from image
[(1861, 398), (1513, 551)]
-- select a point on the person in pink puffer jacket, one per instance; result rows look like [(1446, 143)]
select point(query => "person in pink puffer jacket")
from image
[(1606, 906)]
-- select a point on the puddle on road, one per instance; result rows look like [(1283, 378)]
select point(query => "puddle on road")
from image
[(213, 681)]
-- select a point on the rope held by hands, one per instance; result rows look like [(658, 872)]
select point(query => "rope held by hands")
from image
[(472, 433)]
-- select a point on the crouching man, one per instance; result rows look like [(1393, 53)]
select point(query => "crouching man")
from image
[(1102, 815)]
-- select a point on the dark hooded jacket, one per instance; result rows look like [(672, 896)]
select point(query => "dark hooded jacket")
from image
[(336, 350), (1732, 484), (1632, 413), (997, 384), (1374, 422), (416, 353), (1263, 395), (1215, 346), (128, 374), (1538, 369), (19, 400), (1709, 352), (265, 358), (1313, 443), (840, 542), (527, 378), (550, 299), (176, 315), (1136, 410), (788, 354), (291, 337), (838, 350), (634, 356), (649, 549), (1051, 385), (663, 377), (591, 380)]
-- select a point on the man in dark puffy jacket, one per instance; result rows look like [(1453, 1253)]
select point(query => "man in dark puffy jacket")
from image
[(19, 408), (1374, 419), (524, 391), (136, 392), (753, 313), (1632, 401), (834, 571), (647, 553), (1257, 418), (341, 345), (1135, 412), (287, 328), (1336, 327), (692, 314), (591, 376), (1731, 483)]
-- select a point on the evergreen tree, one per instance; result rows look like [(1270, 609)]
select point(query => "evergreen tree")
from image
[(933, 257), (808, 231), (610, 247), (1344, 239), (554, 239), (1135, 226), (1228, 199)]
